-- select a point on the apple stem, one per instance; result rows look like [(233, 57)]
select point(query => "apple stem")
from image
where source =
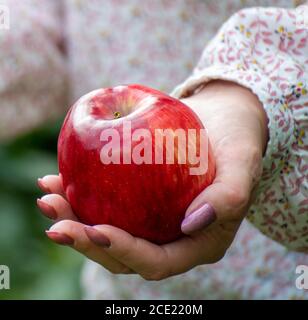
[(117, 115)]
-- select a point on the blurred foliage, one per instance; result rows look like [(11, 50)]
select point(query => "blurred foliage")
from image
[(39, 269)]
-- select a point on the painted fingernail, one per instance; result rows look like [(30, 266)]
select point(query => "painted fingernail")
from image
[(97, 237), (60, 238), (199, 219), (42, 186), (46, 209)]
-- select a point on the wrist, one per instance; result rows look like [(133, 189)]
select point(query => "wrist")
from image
[(231, 95)]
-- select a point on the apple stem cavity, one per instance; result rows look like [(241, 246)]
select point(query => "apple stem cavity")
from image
[(117, 115)]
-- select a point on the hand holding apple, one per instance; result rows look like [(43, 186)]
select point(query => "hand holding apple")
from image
[(237, 146)]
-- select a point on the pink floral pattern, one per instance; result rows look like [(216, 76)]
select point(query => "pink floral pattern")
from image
[(266, 50), (33, 73)]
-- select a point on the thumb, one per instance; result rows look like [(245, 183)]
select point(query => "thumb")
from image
[(226, 200)]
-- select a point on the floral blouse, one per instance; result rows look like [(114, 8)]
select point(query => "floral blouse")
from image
[(74, 46), (266, 50)]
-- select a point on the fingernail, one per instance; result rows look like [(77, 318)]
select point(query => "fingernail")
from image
[(199, 219), (42, 186), (46, 209), (97, 237), (60, 238)]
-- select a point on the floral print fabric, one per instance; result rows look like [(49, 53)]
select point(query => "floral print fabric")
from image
[(266, 50), (75, 46)]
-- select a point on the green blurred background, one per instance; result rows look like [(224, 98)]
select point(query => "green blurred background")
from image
[(39, 268)]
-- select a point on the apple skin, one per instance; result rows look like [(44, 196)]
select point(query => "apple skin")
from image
[(147, 200)]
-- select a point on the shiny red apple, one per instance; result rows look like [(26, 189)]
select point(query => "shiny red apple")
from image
[(116, 160)]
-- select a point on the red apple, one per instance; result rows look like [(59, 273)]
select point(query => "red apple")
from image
[(115, 176)]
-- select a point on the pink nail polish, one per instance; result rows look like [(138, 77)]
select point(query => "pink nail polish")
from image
[(199, 219), (60, 238), (46, 209), (42, 185), (97, 237)]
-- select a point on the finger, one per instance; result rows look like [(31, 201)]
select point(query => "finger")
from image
[(73, 234), (145, 258), (203, 248), (55, 207), (155, 262), (227, 199), (51, 184)]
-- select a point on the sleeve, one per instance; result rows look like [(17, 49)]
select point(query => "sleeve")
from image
[(266, 50), (33, 81)]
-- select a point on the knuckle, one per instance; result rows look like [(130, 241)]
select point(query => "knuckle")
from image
[(121, 270), (217, 256), (83, 246), (238, 197), (159, 274), (155, 276), (124, 253)]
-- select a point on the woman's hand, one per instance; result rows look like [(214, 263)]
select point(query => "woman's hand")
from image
[(237, 127)]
